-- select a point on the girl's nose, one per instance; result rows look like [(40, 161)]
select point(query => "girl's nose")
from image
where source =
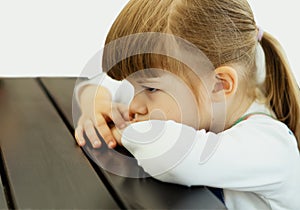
[(138, 106)]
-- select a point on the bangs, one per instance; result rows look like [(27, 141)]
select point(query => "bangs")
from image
[(143, 51), (146, 66), (136, 53)]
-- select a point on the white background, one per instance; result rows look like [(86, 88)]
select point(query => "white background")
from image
[(58, 37)]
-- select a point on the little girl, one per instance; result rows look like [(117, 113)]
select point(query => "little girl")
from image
[(231, 124)]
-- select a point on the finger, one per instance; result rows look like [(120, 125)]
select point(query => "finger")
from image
[(105, 132), (79, 136), (117, 118), (124, 112), (91, 134), (117, 135), (116, 113)]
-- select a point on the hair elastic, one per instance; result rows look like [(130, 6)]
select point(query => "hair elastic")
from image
[(260, 33)]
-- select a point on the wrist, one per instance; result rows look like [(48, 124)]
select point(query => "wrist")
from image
[(93, 93)]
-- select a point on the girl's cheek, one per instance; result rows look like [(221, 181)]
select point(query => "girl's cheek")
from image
[(159, 114)]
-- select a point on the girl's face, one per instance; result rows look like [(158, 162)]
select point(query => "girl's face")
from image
[(167, 97)]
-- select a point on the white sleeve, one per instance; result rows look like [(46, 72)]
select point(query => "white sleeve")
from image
[(241, 158), (121, 91)]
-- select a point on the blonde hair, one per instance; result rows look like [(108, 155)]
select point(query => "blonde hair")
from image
[(225, 31)]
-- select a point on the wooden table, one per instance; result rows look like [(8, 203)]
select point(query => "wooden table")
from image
[(42, 167)]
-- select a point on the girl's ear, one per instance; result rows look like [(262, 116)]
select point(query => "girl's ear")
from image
[(225, 83)]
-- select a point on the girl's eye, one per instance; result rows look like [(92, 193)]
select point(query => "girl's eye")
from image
[(151, 90)]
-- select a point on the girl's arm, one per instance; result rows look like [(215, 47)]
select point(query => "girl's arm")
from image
[(257, 154)]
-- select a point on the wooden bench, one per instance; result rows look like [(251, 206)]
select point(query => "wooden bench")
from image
[(43, 168)]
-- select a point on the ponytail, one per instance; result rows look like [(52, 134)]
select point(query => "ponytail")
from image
[(282, 91)]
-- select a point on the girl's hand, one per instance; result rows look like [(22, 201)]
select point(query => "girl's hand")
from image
[(101, 114)]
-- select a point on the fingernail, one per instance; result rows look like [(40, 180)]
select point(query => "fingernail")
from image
[(96, 143), (111, 144), (122, 126)]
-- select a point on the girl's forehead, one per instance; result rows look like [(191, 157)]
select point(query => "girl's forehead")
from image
[(153, 76)]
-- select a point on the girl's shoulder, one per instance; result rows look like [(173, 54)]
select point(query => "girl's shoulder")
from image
[(263, 127)]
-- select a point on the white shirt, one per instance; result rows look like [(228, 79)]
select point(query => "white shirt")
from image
[(256, 162)]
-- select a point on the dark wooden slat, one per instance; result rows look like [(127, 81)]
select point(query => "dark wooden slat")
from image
[(144, 193), (45, 169), (3, 204)]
